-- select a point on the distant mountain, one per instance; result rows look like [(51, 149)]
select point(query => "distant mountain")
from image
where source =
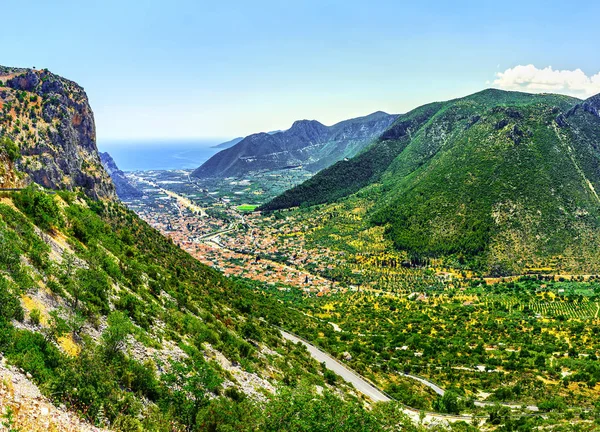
[(505, 179), (234, 141), (307, 143), (228, 144), (125, 190)]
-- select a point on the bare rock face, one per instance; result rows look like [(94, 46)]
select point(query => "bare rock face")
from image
[(592, 105), (125, 190), (51, 121), (28, 81)]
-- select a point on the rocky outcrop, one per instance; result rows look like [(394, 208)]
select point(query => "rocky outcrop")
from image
[(592, 105), (307, 143), (125, 190), (30, 410), (51, 121)]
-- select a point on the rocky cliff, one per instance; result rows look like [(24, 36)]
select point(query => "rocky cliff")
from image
[(125, 190), (51, 123), (307, 143)]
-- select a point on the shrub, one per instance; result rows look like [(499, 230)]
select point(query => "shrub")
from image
[(40, 207), (91, 287), (34, 316), (114, 336), (10, 148), (9, 253), (10, 307)]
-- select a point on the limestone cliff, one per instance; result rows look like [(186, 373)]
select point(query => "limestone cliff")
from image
[(50, 121)]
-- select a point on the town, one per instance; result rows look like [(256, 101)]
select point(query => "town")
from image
[(214, 222)]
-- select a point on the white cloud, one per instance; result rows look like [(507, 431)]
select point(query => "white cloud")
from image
[(531, 79)]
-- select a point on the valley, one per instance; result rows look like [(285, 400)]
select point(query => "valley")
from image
[(436, 338), (441, 276)]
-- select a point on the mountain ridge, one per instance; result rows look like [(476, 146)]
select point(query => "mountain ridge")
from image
[(229, 143), (307, 142), (503, 180)]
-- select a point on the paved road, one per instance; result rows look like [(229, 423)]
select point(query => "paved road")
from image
[(429, 384), (232, 226), (362, 385), (347, 374), (479, 403)]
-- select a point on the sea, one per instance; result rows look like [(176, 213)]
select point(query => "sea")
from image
[(159, 154)]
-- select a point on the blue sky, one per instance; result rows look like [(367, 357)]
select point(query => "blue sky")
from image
[(183, 69)]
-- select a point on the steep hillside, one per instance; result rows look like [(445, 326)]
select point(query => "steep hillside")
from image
[(502, 180), (51, 122), (114, 323), (125, 190), (307, 143)]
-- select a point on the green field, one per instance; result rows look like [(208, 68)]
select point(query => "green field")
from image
[(246, 207)]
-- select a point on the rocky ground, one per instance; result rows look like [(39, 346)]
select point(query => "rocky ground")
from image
[(30, 411)]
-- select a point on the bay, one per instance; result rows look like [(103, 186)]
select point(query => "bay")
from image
[(159, 154)]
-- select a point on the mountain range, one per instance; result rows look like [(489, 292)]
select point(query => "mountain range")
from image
[(103, 321), (307, 143), (503, 180)]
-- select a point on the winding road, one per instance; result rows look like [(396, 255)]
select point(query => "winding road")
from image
[(368, 389), (437, 389), (346, 373), (478, 403)]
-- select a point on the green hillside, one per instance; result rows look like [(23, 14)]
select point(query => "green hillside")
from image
[(348, 176), (120, 325), (501, 180)]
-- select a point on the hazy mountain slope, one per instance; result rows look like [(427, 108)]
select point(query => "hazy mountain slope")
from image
[(125, 190), (234, 141), (307, 143), (229, 143), (51, 122), (506, 179)]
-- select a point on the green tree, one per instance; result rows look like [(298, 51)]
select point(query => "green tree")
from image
[(113, 338), (449, 403), (190, 382), (10, 306), (9, 253), (57, 327), (10, 148), (34, 316), (40, 207)]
